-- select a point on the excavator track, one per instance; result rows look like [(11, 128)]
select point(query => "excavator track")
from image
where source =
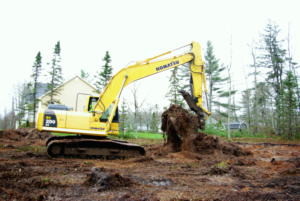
[(91, 147)]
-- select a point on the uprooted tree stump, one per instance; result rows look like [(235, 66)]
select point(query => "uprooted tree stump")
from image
[(182, 133), (178, 125)]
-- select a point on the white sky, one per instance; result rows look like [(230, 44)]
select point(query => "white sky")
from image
[(132, 30)]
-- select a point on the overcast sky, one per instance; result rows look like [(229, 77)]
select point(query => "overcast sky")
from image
[(132, 31)]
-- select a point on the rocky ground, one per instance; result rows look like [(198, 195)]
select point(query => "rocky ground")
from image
[(201, 168)]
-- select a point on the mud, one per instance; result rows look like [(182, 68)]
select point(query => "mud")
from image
[(271, 172)]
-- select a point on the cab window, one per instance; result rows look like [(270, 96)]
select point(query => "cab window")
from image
[(104, 117)]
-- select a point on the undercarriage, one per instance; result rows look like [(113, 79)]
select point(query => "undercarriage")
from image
[(91, 147)]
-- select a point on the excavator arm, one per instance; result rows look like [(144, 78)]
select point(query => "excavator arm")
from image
[(148, 67)]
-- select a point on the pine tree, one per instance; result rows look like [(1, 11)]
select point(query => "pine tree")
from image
[(155, 120), (36, 72), (215, 81), (85, 75), (105, 75), (123, 118), (56, 78), (184, 76), (293, 67), (288, 106), (273, 59), (173, 94), (265, 114)]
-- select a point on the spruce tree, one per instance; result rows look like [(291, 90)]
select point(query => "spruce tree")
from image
[(36, 72), (215, 80), (123, 118), (273, 59), (184, 76), (105, 75), (173, 94), (85, 75), (288, 106), (56, 78), (155, 120)]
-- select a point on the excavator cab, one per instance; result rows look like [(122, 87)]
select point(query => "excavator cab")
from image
[(92, 101)]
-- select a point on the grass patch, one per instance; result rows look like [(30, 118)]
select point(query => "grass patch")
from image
[(140, 135), (223, 164), (35, 149), (249, 137), (62, 134), (26, 148)]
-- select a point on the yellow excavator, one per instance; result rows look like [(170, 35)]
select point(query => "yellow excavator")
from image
[(100, 116)]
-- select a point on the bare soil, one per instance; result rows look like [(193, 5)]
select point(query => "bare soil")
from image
[(202, 168)]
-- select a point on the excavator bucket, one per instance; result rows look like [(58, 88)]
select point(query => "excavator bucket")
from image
[(199, 112)]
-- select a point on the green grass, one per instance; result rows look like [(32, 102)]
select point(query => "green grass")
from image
[(140, 135), (247, 136), (35, 149), (62, 134)]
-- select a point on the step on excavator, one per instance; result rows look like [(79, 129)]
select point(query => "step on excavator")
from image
[(100, 117)]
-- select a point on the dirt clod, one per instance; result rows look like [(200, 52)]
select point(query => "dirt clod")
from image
[(101, 180)]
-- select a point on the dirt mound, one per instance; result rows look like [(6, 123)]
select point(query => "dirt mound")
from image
[(100, 179), (181, 129), (28, 133)]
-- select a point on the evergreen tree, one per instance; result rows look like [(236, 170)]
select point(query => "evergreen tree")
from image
[(173, 94), (293, 67), (155, 120), (23, 92), (184, 76), (56, 78), (105, 75), (273, 59), (36, 72), (85, 75), (215, 81), (265, 114), (123, 118), (247, 105), (289, 122)]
